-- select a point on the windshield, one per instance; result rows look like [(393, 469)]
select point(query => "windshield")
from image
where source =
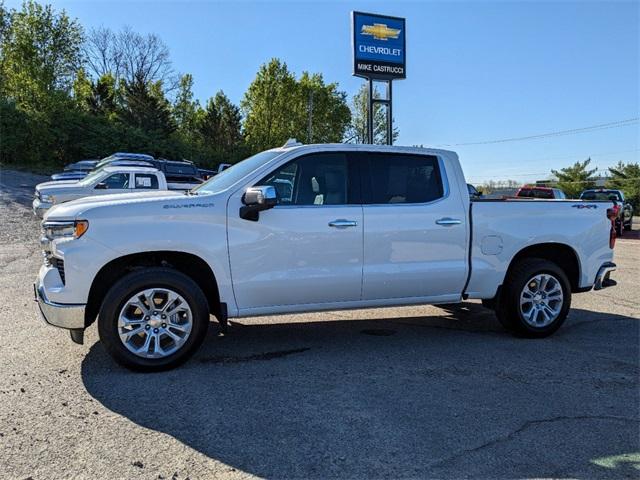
[(235, 173), (89, 179), (600, 195)]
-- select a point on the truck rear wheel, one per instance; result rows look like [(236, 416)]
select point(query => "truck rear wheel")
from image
[(535, 298), (153, 319)]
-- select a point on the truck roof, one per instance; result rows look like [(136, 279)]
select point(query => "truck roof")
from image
[(363, 147), (116, 168)]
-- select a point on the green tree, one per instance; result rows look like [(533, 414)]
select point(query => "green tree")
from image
[(39, 55), (185, 108), (327, 107), (98, 98), (145, 107), (576, 178), (277, 107), (357, 130), (219, 127), (209, 124), (626, 177), (16, 132), (268, 108), (229, 127)]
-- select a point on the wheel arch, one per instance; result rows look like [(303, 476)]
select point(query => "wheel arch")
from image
[(187, 263), (561, 254)]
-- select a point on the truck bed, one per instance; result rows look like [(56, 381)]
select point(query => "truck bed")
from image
[(500, 228)]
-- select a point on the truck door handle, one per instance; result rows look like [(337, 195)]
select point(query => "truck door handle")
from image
[(447, 222), (342, 223)]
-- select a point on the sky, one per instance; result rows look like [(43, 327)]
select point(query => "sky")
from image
[(477, 71)]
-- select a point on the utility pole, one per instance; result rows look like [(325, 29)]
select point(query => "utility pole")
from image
[(310, 110)]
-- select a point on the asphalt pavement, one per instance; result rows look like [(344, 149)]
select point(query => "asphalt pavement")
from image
[(413, 392)]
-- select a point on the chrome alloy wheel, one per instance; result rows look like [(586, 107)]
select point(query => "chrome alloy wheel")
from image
[(541, 300), (155, 323)]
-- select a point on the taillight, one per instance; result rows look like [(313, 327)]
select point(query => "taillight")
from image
[(612, 236), (612, 214)]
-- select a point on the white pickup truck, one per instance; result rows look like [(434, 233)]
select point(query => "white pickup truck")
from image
[(308, 228), (103, 181)]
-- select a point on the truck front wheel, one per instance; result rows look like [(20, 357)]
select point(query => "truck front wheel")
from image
[(535, 298), (153, 319)]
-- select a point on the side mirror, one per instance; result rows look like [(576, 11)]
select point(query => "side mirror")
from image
[(257, 199), (101, 186)]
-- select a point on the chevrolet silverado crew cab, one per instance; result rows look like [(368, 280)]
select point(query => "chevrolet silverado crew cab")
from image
[(307, 228), (106, 180)]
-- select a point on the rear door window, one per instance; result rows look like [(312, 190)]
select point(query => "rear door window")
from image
[(146, 181), (399, 178)]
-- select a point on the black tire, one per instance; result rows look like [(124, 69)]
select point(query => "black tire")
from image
[(508, 306), (629, 225), (135, 282)]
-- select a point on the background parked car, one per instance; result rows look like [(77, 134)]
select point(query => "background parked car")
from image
[(534, 191), (76, 170), (79, 170), (125, 157), (107, 180), (180, 174), (624, 210)]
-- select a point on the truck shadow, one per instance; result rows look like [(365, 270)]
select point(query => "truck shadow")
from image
[(432, 396)]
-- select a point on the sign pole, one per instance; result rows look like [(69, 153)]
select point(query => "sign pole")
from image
[(389, 114), (370, 101)]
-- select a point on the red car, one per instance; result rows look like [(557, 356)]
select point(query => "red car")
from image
[(534, 191)]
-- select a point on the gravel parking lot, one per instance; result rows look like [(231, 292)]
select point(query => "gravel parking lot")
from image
[(402, 392)]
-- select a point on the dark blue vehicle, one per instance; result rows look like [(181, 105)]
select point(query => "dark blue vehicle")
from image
[(76, 170)]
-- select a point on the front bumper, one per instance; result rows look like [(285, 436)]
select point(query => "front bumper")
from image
[(603, 278), (39, 207), (69, 316)]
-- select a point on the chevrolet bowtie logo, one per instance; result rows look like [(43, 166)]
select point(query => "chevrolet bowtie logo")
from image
[(380, 31)]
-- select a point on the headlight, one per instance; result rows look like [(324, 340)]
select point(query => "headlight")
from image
[(47, 198), (71, 229)]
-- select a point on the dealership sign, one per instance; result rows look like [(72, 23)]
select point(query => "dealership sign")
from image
[(379, 46)]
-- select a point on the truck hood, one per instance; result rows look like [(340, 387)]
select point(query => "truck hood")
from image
[(49, 187), (119, 204), (63, 176)]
